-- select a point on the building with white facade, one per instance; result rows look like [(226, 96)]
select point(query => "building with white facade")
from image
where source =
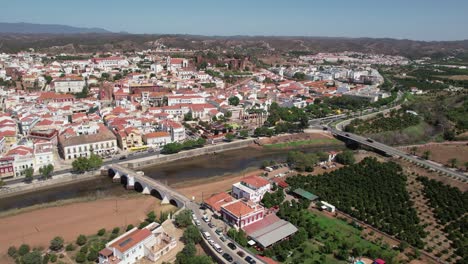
[(70, 84), (73, 144), (151, 243), (43, 153), (251, 188), (157, 139)]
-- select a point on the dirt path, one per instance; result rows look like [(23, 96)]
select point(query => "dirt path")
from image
[(38, 227)]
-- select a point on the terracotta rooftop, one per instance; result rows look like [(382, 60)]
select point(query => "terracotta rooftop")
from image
[(238, 208), (255, 181), (218, 200), (131, 239)]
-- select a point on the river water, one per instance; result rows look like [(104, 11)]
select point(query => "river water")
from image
[(173, 173)]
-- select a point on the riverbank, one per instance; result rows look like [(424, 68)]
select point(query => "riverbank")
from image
[(38, 227)]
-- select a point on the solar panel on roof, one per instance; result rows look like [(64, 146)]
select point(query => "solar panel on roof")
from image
[(128, 240)]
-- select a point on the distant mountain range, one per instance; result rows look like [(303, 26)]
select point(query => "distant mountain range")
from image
[(30, 28)]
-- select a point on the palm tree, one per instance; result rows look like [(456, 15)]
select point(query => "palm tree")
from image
[(453, 162)]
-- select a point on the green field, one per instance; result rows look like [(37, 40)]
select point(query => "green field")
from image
[(300, 143)]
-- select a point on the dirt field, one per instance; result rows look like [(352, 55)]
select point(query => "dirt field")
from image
[(443, 152), (38, 227)]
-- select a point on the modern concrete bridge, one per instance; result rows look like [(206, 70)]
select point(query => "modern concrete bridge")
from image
[(146, 185)]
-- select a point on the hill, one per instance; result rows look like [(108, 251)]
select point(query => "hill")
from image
[(252, 45), (30, 28)]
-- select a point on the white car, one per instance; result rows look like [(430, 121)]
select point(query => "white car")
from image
[(197, 222)]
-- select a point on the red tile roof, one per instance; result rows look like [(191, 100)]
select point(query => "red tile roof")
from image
[(255, 181), (218, 200), (128, 241), (238, 208)]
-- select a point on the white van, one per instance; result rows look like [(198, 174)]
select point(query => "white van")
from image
[(206, 235), (218, 248)]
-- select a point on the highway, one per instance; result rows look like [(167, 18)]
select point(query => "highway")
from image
[(395, 152)]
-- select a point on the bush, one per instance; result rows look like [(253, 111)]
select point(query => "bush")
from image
[(12, 251), (23, 249), (115, 230), (81, 240), (129, 227), (101, 232), (80, 257), (70, 247), (92, 255), (32, 258), (143, 225), (45, 259), (183, 219), (56, 244), (53, 258), (84, 249)]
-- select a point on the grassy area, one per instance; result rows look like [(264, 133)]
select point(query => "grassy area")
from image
[(336, 232), (300, 143)]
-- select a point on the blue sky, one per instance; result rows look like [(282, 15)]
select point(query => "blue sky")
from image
[(412, 19)]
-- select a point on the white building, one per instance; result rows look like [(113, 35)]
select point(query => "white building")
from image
[(43, 153), (151, 242), (181, 99), (110, 62), (23, 159), (73, 84), (251, 188), (157, 139)]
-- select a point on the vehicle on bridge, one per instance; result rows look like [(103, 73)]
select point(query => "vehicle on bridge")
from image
[(370, 140)]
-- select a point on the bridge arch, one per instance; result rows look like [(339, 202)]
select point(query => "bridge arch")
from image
[(138, 187), (124, 180), (111, 172), (156, 194), (176, 203)]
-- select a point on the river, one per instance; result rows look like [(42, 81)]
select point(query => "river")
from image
[(173, 173)]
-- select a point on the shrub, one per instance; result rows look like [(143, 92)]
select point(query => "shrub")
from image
[(92, 255), (81, 240), (101, 232), (143, 224), (70, 247), (23, 249), (12, 251), (115, 230), (80, 257), (56, 244), (129, 227), (53, 258)]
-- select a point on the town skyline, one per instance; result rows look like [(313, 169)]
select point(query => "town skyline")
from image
[(418, 20)]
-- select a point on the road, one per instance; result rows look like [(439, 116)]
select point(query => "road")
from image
[(395, 152), (215, 237)]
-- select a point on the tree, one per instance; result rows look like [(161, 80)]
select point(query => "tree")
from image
[(94, 161), (143, 224), (243, 133), (80, 165), (92, 255), (188, 116), (228, 114), (151, 217), (32, 258), (346, 157), (23, 249), (229, 137), (453, 162), (191, 235), (426, 154), (80, 257), (101, 232), (81, 240), (299, 76), (12, 251), (84, 92), (129, 227), (2, 183), (46, 171), (183, 219), (56, 244), (234, 100), (28, 174), (116, 230)]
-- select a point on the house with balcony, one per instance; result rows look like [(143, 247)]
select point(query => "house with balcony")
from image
[(251, 188)]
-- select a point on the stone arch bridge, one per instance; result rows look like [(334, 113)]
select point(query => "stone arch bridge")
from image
[(146, 185)]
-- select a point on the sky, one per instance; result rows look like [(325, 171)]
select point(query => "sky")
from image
[(402, 19)]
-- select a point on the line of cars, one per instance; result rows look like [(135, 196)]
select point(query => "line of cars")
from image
[(217, 247)]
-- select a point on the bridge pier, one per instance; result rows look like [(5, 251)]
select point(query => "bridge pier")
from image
[(146, 190), (165, 200), (130, 183), (116, 177)]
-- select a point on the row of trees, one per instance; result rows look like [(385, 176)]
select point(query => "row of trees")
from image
[(176, 147), (370, 191), (82, 164), (273, 199), (45, 171), (396, 121)]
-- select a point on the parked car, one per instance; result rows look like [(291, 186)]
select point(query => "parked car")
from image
[(222, 238), (241, 253), (218, 248), (250, 260), (211, 225), (219, 231), (232, 246), (122, 157), (227, 257), (197, 222)]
